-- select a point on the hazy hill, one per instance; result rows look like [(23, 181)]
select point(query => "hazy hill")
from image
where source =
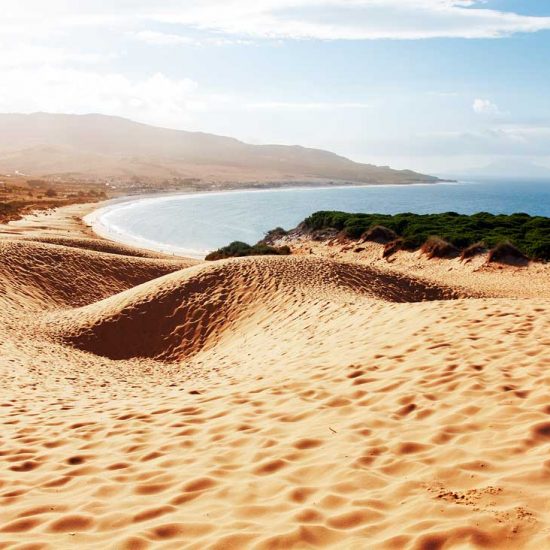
[(99, 146)]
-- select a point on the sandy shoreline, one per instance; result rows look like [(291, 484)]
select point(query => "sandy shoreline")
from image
[(94, 220), (322, 400), (99, 226)]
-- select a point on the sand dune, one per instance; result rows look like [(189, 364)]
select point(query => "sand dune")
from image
[(265, 403), (180, 314), (99, 245), (43, 276)]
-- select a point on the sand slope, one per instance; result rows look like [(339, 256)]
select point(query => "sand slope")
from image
[(39, 275), (266, 403), (180, 314)]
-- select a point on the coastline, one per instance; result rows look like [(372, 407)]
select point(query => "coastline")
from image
[(66, 226), (94, 220), (80, 220)]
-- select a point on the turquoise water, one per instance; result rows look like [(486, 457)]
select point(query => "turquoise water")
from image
[(196, 224)]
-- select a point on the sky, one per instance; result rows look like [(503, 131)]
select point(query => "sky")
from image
[(433, 85)]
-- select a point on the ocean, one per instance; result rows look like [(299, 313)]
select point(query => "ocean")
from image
[(195, 224)]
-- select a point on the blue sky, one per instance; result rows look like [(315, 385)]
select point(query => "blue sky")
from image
[(434, 85)]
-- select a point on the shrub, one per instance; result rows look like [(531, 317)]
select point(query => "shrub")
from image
[(379, 234), (507, 253), (239, 249), (392, 247), (36, 183), (276, 233), (435, 247), (473, 250), (539, 250), (530, 234)]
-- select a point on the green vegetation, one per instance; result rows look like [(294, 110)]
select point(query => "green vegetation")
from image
[(504, 251), (238, 248), (530, 234), (274, 235)]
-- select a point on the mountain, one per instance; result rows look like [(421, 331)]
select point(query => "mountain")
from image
[(508, 168), (99, 147)]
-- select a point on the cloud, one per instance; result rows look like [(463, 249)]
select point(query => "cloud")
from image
[(526, 134), (291, 19), (351, 19), (168, 39), (164, 39), (485, 107), (155, 98), (55, 57)]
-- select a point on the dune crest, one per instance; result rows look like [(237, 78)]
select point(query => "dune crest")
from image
[(40, 275)]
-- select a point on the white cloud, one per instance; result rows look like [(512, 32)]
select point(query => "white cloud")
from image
[(156, 98), (485, 107), (54, 56), (525, 134), (296, 19), (350, 19), (168, 39)]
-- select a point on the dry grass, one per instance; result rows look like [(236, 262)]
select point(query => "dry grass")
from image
[(475, 249), (379, 234), (392, 247), (436, 247)]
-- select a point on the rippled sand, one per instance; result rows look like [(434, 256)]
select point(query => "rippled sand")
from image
[(265, 403)]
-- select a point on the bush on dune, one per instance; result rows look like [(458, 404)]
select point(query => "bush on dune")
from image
[(274, 235), (239, 249), (530, 234), (473, 250), (7, 208), (507, 253), (379, 234), (435, 247), (392, 247)]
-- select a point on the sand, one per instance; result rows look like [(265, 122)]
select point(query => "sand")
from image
[(285, 402)]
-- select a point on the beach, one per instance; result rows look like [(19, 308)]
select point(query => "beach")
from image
[(325, 399), (194, 224), (101, 223)]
